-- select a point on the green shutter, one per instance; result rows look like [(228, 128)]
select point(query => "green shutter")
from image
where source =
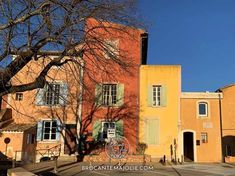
[(152, 131), (150, 95), (96, 129), (120, 94), (163, 96), (98, 94), (119, 128)]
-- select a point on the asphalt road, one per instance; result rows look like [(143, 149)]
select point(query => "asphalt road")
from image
[(75, 169)]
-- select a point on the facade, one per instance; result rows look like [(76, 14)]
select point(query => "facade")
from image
[(111, 95), (125, 99), (200, 133), (43, 118), (160, 90), (228, 122)]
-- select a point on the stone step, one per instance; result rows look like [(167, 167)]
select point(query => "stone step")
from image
[(72, 158)]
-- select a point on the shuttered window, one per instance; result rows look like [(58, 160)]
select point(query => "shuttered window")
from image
[(109, 94), (157, 96), (152, 131), (52, 94), (48, 130), (100, 129)]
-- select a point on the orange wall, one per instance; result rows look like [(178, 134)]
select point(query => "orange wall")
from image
[(102, 70), (228, 111), (26, 111), (206, 152), (14, 145)]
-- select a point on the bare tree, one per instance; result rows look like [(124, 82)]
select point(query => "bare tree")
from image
[(31, 30)]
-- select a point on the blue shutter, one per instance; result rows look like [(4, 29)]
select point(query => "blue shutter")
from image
[(63, 94), (40, 96), (58, 130), (39, 130)]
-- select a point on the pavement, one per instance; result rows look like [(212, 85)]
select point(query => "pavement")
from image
[(131, 169)]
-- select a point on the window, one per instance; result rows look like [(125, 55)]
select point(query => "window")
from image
[(204, 137), (156, 95), (101, 128), (152, 131), (202, 109), (105, 127), (19, 96), (52, 95), (49, 130), (111, 49), (109, 94)]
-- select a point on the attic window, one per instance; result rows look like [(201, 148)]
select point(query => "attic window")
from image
[(111, 49), (19, 96)]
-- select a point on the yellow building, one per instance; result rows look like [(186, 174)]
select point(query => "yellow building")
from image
[(160, 90)]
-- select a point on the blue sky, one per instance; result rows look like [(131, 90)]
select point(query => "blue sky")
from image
[(197, 34)]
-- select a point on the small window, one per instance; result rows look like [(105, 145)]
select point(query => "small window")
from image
[(204, 137), (105, 127), (19, 96), (156, 90), (49, 130), (109, 94), (203, 109), (111, 49)]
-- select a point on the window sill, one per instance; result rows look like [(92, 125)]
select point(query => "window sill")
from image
[(202, 117), (157, 106)]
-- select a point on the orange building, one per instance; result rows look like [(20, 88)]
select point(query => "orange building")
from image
[(111, 100), (48, 120), (200, 127), (44, 118), (228, 122)]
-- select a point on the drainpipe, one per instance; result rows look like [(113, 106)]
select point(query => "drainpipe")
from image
[(221, 128)]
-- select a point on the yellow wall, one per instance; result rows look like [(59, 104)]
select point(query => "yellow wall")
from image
[(168, 116)]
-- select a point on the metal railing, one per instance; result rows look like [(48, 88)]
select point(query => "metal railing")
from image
[(53, 152)]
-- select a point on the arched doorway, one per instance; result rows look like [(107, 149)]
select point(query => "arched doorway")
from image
[(188, 141)]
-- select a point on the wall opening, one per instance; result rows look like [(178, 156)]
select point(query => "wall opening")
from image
[(188, 146)]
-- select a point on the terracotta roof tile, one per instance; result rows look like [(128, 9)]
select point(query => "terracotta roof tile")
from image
[(17, 127)]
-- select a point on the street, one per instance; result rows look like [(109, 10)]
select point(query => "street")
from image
[(188, 169)]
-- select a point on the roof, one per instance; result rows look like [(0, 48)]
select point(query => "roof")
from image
[(5, 114), (225, 87), (14, 127)]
